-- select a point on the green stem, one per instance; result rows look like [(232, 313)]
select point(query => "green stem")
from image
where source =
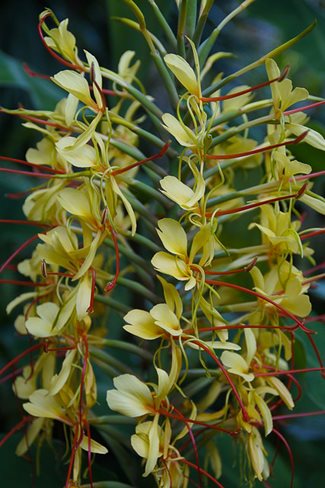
[(151, 192), (203, 16), (109, 360), (111, 302), (271, 54), (137, 94), (111, 419), (127, 252), (143, 241), (181, 27), (191, 18), (127, 346), (207, 45), (109, 370), (164, 25), (166, 78), (149, 219), (138, 288)]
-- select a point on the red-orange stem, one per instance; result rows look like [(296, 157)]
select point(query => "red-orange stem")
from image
[(138, 163), (258, 150)]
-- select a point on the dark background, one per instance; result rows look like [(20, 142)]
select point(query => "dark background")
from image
[(266, 24)]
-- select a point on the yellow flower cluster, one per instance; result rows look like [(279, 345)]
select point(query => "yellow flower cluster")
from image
[(223, 319)]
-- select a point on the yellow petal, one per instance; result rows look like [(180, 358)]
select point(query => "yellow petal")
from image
[(236, 364), (59, 380), (166, 319), (95, 447), (74, 83), (81, 157), (153, 451), (43, 405), (141, 324), (170, 265), (266, 414), (83, 297), (183, 72), (75, 202), (182, 134), (172, 297), (173, 236), (29, 436), (176, 190), (282, 390), (131, 397)]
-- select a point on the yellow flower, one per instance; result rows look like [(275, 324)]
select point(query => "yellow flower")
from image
[(278, 231), (60, 39), (236, 363), (146, 443), (132, 397), (183, 134), (179, 263), (182, 194), (284, 287), (282, 92), (256, 452), (84, 156), (154, 324), (184, 73), (41, 404)]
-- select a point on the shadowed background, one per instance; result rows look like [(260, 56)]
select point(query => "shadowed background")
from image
[(265, 25)]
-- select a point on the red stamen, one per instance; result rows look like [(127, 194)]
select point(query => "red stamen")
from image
[(288, 448), (196, 422), (90, 309), (262, 297), (90, 472), (307, 177), (315, 268), (298, 415), (9, 376), (294, 380), (17, 195), (22, 283), (247, 90), (138, 163), (258, 150), (15, 253), (192, 438), (312, 279), (228, 377), (306, 107), (82, 379), (37, 120), (34, 74), (316, 351), (315, 318), (53, 53), (24, 222), (111, 285), (200, 470), (75, 445), (32, 165), (27, 173), (312, 234), (257, 204), (20, 356), (233, 271), (288, 371), (20, 425)]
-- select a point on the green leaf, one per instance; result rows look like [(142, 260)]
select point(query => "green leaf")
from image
[(43, 93)]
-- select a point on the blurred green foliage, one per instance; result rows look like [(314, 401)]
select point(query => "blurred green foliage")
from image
[(266, 25)]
